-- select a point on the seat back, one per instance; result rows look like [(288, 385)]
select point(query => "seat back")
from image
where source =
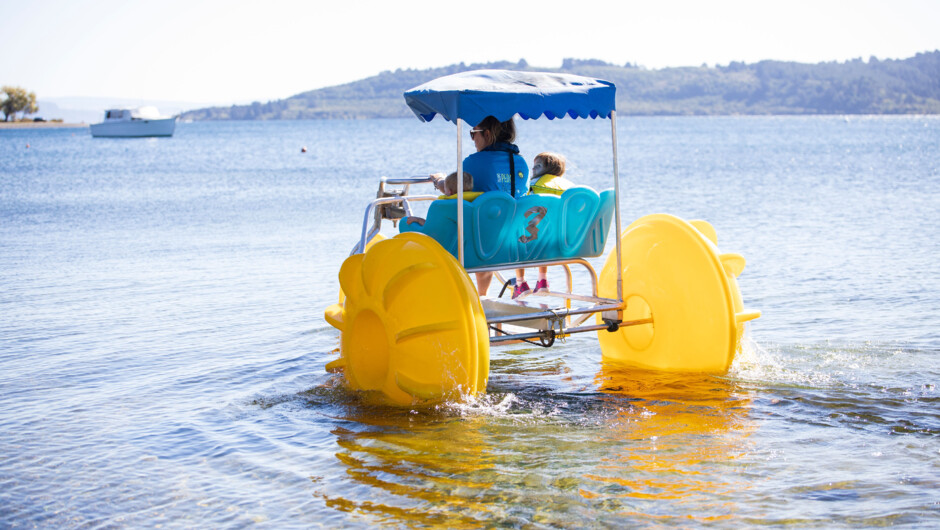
[(500, 230)]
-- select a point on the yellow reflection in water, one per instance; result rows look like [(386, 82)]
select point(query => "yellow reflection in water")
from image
[(414, 468), (676, 442), (644, 447)]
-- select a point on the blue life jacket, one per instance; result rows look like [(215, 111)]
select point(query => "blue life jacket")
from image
[(492, 169)]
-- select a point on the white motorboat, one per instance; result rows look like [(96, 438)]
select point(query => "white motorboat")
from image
[(130, 123)]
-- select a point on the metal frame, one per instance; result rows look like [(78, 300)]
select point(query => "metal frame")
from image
[(558, 322), (386, 197)]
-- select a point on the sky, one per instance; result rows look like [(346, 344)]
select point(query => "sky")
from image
[(227, 52)]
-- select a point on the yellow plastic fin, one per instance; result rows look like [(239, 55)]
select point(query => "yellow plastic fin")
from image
[(744, 316), (374, 240), (419, 389), (706, 229), (334, 316), (400, 281), (336, 365), (349, 277), (733, 263), (436, 327)]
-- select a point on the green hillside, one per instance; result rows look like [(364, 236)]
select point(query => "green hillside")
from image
[(905, 86)]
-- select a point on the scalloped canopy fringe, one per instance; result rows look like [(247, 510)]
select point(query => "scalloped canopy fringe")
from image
[(472, 96)]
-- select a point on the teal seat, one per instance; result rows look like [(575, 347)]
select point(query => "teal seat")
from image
[(500, 230)]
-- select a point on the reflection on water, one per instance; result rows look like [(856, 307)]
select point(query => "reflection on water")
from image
[(427, 468), (545, 458), (675, 443)]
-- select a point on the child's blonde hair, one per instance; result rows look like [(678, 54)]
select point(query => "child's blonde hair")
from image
[(552, 164), (450, 183)]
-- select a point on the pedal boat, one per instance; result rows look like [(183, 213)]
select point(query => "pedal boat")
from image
[(413, 329)]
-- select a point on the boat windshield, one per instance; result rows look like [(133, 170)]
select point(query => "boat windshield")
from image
[(146, 113)]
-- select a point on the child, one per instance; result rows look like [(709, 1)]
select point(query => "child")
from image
[(547, 170), (449, 187), (546, 179)]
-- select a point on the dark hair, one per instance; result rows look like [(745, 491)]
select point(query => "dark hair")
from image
[(501, 131)]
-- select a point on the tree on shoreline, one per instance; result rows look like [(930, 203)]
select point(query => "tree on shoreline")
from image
[(17, 100)]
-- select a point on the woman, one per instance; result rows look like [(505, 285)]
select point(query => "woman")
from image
[(496, 166), (497, 159)]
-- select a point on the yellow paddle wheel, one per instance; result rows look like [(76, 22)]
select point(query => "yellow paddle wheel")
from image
[(412, 324), (683, 307)]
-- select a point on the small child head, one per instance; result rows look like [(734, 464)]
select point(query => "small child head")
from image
[(450, 183), (548, 164)]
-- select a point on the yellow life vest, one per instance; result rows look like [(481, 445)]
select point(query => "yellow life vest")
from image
[(467, 195), (550, 185)]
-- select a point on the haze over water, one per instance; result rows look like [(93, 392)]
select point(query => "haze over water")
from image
[(162, 341)]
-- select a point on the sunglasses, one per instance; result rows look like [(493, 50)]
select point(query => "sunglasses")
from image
[(473, 132)]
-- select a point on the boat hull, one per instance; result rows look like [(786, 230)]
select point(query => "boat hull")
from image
[(134, 128)]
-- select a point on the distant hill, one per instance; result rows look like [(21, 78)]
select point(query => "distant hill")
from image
[(905, 86)]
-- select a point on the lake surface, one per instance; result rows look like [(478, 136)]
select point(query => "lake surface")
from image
[(162, 341)]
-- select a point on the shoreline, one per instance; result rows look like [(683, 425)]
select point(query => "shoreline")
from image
[(40, 125)]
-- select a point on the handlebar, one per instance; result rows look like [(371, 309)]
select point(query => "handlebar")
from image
[(406, 180)]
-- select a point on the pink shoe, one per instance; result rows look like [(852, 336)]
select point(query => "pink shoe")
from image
[(519, 290), (542, 284)]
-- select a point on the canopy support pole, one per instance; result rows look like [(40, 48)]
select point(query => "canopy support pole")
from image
[(460, 193), (613, 134)]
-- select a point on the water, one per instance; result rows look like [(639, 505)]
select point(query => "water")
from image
[(162, 342)]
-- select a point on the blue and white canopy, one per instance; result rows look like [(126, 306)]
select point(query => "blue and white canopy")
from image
[(472, 96)]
